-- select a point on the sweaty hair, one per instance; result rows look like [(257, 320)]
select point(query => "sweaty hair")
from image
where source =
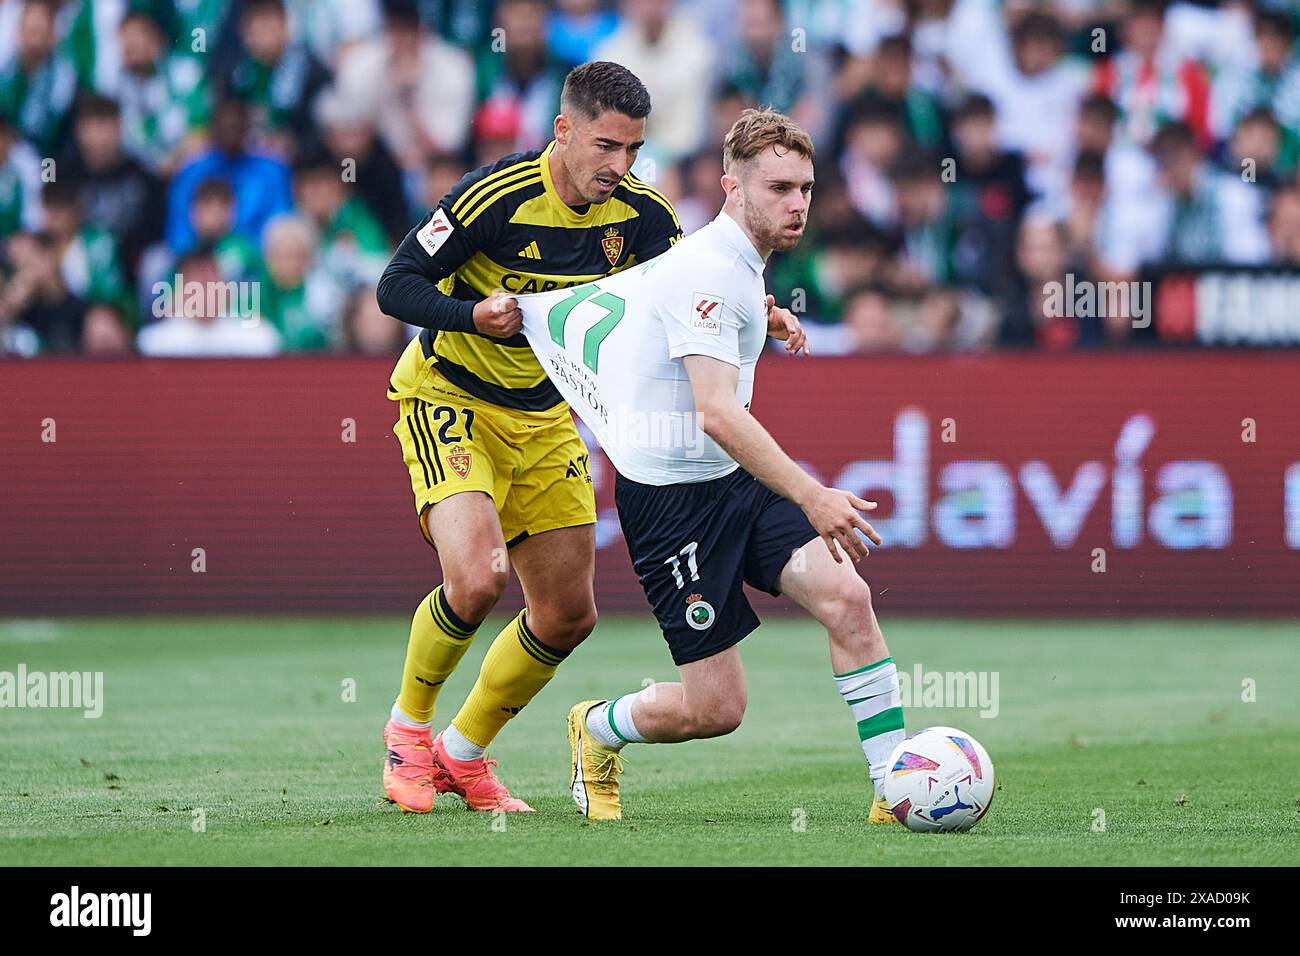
[(593, 88), (756, 131)]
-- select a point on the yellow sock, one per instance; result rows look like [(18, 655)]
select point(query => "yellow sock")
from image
[(439, 639), (516, 667)]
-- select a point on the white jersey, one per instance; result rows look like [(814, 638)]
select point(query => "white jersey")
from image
[(614, 349)]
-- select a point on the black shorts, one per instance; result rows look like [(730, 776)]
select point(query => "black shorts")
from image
[(694, 545)]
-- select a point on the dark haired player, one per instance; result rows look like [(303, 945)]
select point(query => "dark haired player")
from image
[(497, 466)]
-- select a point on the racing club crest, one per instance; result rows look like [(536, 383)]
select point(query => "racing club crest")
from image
[(460, 460), (699, 612), (612, 244)]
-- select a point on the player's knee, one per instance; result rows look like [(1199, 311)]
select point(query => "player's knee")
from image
[(585, 622), (847, 600), (564, 625), (473, 595), (857, 596)]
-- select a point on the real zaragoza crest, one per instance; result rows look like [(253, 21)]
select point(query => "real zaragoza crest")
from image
[(460, 460), (613, 245)]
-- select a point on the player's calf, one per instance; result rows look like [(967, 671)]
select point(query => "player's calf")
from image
[(666, 713), (698, 708), (864, 672), (840, 601), (710, 702), (704, 726), (444, 625)]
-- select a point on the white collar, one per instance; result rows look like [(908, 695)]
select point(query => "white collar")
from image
[(736, 238)]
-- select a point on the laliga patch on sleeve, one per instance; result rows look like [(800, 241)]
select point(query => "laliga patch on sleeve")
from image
[(435, 232), (706, 313)]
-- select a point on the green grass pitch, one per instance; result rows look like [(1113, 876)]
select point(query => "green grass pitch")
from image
[(245, 719)]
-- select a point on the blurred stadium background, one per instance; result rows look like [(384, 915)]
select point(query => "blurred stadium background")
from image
[(294, 142), (978, 161)]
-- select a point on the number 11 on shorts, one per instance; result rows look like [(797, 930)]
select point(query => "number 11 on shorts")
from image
[(688, 553)]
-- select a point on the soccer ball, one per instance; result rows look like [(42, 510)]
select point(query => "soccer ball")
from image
[(939, 778)]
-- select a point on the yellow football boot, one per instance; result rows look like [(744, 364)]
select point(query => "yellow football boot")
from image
[(880, 812), (596, 767)]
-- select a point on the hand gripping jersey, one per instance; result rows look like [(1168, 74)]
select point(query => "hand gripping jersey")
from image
[(505, 227), (614, 349)]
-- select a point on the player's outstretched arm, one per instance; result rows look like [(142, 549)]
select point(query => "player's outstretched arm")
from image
[(408, 289), (832, 511)]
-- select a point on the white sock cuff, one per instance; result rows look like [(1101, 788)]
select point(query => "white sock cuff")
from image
[(402, 717), (459, 746), (868, 681), (620, 718)]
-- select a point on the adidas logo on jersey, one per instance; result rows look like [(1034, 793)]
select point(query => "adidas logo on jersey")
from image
[(530, 251)]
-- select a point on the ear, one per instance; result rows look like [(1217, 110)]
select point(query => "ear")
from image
[(731, 186), (562, 129)]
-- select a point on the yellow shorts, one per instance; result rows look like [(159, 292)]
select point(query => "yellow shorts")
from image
[(533, 465)]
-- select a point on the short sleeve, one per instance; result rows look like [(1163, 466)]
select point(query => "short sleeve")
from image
[(700, 321)]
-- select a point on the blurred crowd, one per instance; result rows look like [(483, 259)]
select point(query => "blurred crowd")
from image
[(970, 153)]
